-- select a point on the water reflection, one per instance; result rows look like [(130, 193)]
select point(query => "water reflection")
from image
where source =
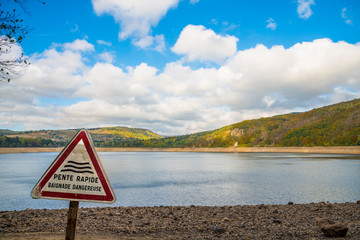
[(161, 178)]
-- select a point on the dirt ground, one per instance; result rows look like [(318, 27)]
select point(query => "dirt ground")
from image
[(61, 236), (291, 221)]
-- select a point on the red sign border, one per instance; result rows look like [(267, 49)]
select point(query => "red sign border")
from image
[(109, 193)]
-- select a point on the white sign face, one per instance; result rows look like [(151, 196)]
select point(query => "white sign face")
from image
[(76, 174)]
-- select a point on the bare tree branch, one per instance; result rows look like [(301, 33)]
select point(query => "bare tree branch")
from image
[(12, 32)]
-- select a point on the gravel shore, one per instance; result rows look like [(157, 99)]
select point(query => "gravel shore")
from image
[(292, 221)]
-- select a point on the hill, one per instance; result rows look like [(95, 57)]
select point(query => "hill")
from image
[(107, 136), (335, 125)]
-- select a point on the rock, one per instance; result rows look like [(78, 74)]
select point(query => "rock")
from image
[(237, 132), (235, 222), (320, 222), (331, 229), (218, 229), (358, 202), (290, 203), (277, 221), (335, 230)]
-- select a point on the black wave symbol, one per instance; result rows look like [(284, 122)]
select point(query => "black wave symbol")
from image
[(69, 165), (78, 163), (71, 170), (77, 167)]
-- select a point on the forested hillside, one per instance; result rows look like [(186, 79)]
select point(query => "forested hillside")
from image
[(107, 136), (335, 125)]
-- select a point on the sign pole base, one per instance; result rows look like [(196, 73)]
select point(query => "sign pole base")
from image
[(71, 223)]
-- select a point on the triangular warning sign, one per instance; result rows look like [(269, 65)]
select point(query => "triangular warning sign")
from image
[(76, 174)]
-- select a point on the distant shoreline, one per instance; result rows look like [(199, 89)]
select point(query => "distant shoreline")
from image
[(331, 150)]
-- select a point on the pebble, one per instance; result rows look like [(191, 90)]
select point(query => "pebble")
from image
[(193, 222)]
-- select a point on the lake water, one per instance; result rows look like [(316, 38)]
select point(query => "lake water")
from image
[(181, 178)]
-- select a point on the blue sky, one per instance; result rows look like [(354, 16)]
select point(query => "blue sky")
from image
[(178, 67)]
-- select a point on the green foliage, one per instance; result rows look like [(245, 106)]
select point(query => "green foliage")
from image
[(28, 142), (102, 137), (179, 142), (122, 133), (12, 26), (335, 125)]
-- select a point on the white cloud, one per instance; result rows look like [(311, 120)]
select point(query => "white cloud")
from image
[(11, 52), (230, 27), (343, 13), (111, 83), (194, 1), (290, 76), (199, 43), (346, 18), (53, 73), (102, 42), (253, 83), (136, 18), (107, 57), (75, 29), (304, 8), (156, 43), (271, 24), (79, 45)]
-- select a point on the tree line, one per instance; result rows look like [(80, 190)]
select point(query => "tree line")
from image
[(28, 142)]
